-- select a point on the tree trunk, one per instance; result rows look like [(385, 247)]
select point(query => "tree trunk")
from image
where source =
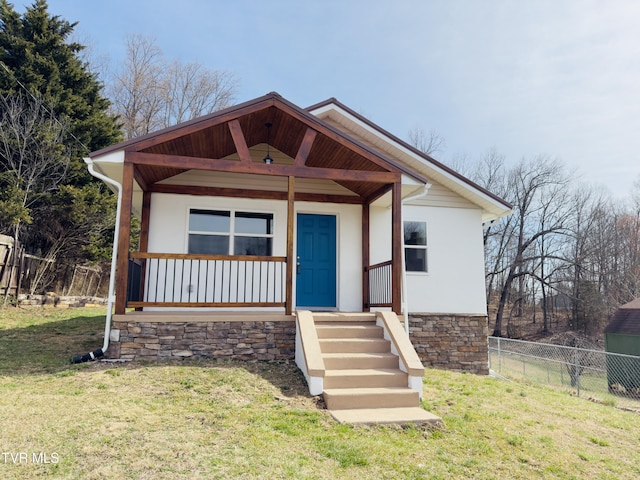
[(497, 330)]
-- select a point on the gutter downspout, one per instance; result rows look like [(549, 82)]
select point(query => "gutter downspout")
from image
[(405, 302), (112, 277)]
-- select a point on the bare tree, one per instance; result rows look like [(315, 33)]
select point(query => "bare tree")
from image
[(136, 90), (33, 160), (192, 91), (149, 93), (529, 182), (429, 143), (548, 255)]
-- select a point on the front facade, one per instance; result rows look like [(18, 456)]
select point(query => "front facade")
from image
[(257, 211)]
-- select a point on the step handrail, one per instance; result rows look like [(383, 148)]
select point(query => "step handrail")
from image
[(400, 340)]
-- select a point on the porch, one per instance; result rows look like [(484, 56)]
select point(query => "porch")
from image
[(215, 164)]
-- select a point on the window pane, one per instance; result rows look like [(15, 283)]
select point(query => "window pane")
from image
[(415, 259), (209, 221), (415, 233), (209, 244), (252, 246), (255, 223)]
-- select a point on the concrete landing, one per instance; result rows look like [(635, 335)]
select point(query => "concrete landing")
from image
[(373, 416)]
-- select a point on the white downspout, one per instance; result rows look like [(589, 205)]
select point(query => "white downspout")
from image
[(112, 277), (405, 302)]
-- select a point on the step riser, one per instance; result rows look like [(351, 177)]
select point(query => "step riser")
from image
[(349, 332), (354, 346), (364, 381), (364, 362), (323, 319), (375, 400)]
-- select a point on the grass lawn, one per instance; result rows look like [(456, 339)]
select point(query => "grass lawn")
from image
[(256, 420)]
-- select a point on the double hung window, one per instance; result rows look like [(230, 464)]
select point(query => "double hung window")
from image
[(415, 246)]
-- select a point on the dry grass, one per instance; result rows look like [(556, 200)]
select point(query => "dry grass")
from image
[(256, 420)]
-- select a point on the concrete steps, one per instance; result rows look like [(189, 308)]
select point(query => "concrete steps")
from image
[(363, 383)]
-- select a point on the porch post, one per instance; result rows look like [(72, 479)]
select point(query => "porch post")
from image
[(396, 253), (122, 265), (288, 307), (144, 221), (366, 256), (144, 238)]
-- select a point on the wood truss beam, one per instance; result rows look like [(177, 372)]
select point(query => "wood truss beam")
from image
[(239, 141), (305, 147), (209, 164), (256, 194)]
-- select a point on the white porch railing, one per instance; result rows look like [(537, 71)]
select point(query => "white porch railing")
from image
[(187, 280)]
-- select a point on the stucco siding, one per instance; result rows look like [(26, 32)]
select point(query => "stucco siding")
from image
[(454, 282)]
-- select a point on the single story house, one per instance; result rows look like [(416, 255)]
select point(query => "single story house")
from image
[(263, 209)]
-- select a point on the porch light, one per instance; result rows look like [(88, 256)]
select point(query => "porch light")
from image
[(267, 159)]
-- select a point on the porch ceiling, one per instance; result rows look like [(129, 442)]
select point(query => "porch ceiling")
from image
[(211, 138)]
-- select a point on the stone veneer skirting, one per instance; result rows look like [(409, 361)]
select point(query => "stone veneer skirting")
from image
[(158, 338), (452, 342)]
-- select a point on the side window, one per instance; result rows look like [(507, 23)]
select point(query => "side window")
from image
[(218, 232), (415, 246)]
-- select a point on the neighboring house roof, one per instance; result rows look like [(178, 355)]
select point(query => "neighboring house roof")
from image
[(626, 320), (354, 143)]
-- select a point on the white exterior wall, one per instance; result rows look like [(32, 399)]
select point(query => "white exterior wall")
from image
[(168, 225), (455, 254)]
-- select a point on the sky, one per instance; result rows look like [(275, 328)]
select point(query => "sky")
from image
[(540, 77)]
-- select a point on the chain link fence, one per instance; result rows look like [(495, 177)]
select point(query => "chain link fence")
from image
[(603, 376)]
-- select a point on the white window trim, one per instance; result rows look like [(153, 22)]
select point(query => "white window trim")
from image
[(422, 247)]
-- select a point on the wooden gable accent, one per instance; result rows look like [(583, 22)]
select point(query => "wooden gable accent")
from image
[(318, 150)]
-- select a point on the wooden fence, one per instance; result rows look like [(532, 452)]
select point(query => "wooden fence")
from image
[(24, 273)]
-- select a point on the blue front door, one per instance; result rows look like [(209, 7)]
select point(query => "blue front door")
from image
[(316, 261)]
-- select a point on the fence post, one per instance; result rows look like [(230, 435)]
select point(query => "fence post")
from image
[(577, 368), (499, 356)]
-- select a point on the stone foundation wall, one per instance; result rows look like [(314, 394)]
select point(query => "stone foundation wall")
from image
[(234, 340), (451, 342)]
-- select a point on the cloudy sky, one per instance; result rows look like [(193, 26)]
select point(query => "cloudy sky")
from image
[(528, 77)]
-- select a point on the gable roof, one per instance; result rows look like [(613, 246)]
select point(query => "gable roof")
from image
[(209, 138), (331, 109)]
